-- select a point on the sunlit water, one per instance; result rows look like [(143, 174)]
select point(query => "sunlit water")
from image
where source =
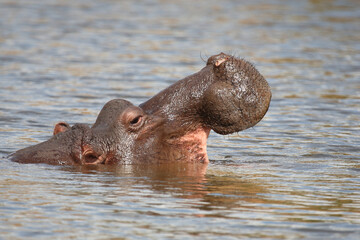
[(294, 175)]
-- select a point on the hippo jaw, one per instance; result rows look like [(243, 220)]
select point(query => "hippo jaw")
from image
[(227, 96)]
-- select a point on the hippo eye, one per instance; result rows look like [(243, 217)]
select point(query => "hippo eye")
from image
[(132, 118), (136, 123), (136, 120)]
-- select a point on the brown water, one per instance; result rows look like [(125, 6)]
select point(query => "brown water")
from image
[(295, 175)]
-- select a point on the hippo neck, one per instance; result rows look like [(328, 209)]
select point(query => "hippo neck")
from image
[(185, 134), (189, 147)]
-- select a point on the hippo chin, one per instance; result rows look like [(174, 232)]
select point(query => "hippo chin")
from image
[(228, 95)]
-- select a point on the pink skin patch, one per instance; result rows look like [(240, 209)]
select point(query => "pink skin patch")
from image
[(194, 143)]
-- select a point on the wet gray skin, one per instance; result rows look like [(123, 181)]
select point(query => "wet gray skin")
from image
[(228, 95)]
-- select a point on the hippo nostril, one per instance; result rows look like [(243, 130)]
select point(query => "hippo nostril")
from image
[(90, 158), (220, 61)]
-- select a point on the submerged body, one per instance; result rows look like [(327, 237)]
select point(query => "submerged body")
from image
[(228, 95)]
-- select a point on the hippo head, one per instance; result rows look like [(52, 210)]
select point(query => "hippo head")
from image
[(228, 95)]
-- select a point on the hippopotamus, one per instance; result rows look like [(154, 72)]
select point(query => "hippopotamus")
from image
[(228, 95)]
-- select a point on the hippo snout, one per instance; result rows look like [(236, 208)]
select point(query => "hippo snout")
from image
[(228, 95), (238, 98)]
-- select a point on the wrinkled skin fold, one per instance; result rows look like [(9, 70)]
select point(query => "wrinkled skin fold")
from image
[(228, 95)]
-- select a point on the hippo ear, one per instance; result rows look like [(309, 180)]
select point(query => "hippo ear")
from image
[(61, 127)]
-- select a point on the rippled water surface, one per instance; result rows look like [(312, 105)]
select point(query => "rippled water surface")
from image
[(294, 175)]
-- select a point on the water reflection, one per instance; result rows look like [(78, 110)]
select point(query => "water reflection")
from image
[(242, 192), (188, 181)]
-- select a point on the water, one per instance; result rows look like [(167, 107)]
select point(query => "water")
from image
[(294, 175)]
